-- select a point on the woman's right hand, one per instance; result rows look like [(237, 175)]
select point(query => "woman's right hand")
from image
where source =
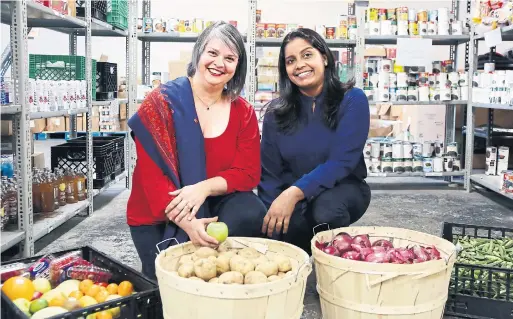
[(196, 229)]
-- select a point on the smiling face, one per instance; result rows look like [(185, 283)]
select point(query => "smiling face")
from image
[(305, 66), (218, 63)]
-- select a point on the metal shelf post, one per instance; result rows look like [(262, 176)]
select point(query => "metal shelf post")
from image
[(131, 72), (19, 45), (89, 136), (146, 46), (251, 37), (469, 147)]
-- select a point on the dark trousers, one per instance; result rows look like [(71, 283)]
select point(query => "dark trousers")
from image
[(338, 207), (243, 213)]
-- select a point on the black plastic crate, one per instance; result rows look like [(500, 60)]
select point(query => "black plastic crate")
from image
[(106, 81), (144, 304), (479, 291), (98, 9), (108, 157)]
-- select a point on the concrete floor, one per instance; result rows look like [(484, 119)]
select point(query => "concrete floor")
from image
[(422, 210)]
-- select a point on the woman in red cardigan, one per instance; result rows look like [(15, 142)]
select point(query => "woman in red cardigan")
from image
[(198, 152)]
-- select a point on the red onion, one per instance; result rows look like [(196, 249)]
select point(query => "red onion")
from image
[(362, 240), (420, 253), (395, 257), (379, 257), (383, 243), (342, 242), (433, 252), (364, 251), (406, 254), (330, 250), (353, 255), (378, 249), (320, 245)]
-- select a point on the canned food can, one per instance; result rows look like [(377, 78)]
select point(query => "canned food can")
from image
[(392, 92), (367, 149), (392, 80), (412, 14), (402, 14), (413, 28), (387, 149), (432, 80), (282, 28), (423, 93), (448, 66), (342, 32), (386, 165), (383, 94), (437, 67), (439, 148), (382, 14), (427, 165), (398, 164), (375, 149), (402, 94), (455, 94), (408, 165), (374, 80), (260, 30), (353, 33), (368, 164), (402, 79), (374, 28), (385, 65), (330, 33), (369, 92), (433, 15), (372, 14), (432, 28), (452, 149), (422, 15), (438, 164), (457, 28), (413, 93), (423, 79), (351, 21), (386, 27), (418, 164), (397, 150), (371, 66), (402, 27), (456, 165), (448, 163), (407, 150), (391, 14), (376, 165), (383, 80), (270, 30), (423, 28), (321, 29), (417, 149), (427, 149), (147, 25)]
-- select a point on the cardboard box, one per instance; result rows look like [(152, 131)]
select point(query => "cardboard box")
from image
[(6, 128), (177, 69), (380, 128), (501, 118), (81, 120), (38, 160), (424, 123), (38, 126), (56, 124)]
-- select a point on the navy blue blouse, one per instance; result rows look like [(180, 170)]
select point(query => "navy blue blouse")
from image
[(314, 157)]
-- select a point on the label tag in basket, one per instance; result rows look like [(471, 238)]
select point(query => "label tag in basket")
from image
[(237, 243)]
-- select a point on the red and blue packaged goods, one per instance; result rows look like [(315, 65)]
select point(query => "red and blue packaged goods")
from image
[(134, 296)]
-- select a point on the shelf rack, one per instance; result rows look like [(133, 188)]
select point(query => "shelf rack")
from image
[(477, 177), (22, 15)]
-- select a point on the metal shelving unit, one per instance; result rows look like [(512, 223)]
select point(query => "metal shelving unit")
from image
[(477, 177), (21, 15), (453, 41)]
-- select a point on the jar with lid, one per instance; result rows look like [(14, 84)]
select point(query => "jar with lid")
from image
[(80, 186), (47, 193), (61, 187), (69, 178), (55, 183)]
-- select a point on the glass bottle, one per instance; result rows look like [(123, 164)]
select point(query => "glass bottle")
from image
[(62, 187), (80, 186), (36, 191), (69, 178), (55, 184), (47, 194)]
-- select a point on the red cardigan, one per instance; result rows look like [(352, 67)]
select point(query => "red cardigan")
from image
[(234, 156)]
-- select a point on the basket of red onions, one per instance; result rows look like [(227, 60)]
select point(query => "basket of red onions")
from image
[(374, 272)]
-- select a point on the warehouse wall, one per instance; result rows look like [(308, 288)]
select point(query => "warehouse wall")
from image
[(305, 12)]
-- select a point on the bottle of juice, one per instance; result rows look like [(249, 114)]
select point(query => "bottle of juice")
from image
[(36, 191), (55, 184), (12, 200), (47, 194), (69, 177), (80, 184), (62, 187)]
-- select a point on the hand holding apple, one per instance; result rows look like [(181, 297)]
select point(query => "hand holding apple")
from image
[(218, 230)]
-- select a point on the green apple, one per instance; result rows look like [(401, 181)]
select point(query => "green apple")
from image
[(37, 305), (218, 230), (23, 304), (42, 285)]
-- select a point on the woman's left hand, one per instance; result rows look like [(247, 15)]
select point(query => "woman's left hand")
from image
[(188, 200), (280, 212)]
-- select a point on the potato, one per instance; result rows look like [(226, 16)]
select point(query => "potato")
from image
[(260, 260), (185, 260), (255, 277), (231, 277), (281, 274), (283, 262), (225, 246), (205, 269), (214, 280), (249, 253), (268, 268), (228, 254), (273, 278), (241, 264), (186, 270), (196, 278), (205, 252), (222, 264), (212, 259)]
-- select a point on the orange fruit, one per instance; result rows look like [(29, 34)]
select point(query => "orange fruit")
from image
[(104, 315), (57, 301), (93, 290), (18, 287), (101, 296), (85, 285), (112, 289), (77, 294), (125, 288)]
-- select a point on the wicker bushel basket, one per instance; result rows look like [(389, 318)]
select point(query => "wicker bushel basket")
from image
[(190, 299), (353, 289)]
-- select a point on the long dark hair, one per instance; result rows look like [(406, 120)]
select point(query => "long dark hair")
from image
[(287, 109)]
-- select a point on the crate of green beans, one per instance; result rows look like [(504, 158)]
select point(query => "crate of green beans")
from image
[(481, 281)]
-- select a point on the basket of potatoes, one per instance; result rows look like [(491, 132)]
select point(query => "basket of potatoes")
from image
[(242, 278)]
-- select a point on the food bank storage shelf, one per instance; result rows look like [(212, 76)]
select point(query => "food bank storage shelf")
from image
[(50, 221), (507, 34), (102, 29), (493, 183), (454, 102), (43, 115), (493, 106), (39, 16), (166, 37), (437, 39), (11, 238), (10, 109), (333, 43), (417, 174)]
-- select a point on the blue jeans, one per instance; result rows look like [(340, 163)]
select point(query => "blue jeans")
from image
[(243, 213)]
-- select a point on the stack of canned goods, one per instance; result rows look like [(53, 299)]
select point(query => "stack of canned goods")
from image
[(411, 21), (384, 81), (493, 87), (395, 156)]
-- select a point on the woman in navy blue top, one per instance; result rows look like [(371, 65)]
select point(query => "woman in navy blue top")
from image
[(313, 170)]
